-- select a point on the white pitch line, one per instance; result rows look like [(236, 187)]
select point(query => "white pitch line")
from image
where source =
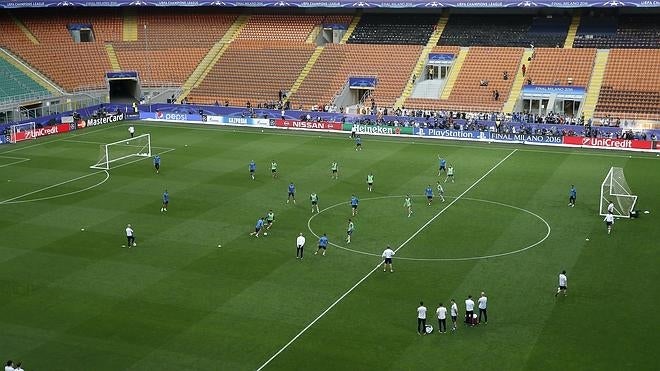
[(46, 141), (547, 234), (379, 263), (102, 143), (18, 160), (426, 141), (12, 200)]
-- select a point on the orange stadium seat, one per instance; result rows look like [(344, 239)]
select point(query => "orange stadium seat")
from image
[(631, 85), (391, 64), (481, 63), (554, 66), (253, 70)]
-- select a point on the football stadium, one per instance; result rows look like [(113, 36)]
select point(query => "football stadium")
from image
[(329, 185)]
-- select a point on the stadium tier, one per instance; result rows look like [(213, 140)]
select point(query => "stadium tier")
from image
[(412, 29), (631, 86), (608, 31), (480, 76), (253, 70), (553, 66), (224, 55), (14, 83), (391, 65), (170, 45), (505, 30)]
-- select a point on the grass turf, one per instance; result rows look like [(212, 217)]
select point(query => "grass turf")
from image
[(76, 300)]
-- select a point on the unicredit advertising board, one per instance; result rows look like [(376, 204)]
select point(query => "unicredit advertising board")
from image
[(322, 125), (42, 132), (609, 143)]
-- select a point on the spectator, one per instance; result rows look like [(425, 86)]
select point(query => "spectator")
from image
[(505, 75), (524, 70)]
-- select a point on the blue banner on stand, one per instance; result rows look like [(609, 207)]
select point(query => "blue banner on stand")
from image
[(545, 91), (362, 82), (441, 58)]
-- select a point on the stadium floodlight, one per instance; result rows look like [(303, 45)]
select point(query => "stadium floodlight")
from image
[(21, 132), (140, 146), (615, 189)]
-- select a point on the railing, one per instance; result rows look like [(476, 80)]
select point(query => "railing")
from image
[(26, 97)]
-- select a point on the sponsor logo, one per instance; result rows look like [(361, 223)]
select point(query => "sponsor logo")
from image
[(323, 125), (174, 116), (372, 129), (42, 132), (102, 120), (608, 142)]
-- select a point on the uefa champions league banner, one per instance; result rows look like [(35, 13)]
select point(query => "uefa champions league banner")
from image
[(350, 4)]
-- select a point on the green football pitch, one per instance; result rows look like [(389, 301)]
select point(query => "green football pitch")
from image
[(74, 299)]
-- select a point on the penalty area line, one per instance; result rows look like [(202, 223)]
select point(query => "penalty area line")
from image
[(13, 200), (358, 283)]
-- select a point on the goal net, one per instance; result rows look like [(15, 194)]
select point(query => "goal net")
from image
[(615, 190), (21, 132), (139, 146)]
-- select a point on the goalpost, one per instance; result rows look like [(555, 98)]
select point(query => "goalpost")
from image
[(21, 132), (140, 146), (615, 189)]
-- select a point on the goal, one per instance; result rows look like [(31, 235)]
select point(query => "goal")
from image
[(21, 132), (615, 189), (139, 146)]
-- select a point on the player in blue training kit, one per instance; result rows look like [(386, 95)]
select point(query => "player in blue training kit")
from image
[(323, 244), (166, 200), (292, 193), (443, 165), (354, 204), (358, 144), (258, 227), (253, 169), (429, 194), (572, 194), (157, 164)]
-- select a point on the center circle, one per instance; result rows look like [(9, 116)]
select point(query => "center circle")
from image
[(465, 258)]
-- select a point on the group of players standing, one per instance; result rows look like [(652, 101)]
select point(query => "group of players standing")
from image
[(264, 224)]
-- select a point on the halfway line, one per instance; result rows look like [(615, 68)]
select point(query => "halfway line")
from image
[(379, 264)]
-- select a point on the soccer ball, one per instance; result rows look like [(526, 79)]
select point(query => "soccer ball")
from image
[(134, 244), (429, 329), (265, 233)]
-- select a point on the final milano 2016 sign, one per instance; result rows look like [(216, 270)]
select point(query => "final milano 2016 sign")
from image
[(337, 4)]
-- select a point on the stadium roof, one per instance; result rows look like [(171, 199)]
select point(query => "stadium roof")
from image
[(392, 4)]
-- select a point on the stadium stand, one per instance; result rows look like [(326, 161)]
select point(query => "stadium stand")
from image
[(468, 94), (253, 71), (394, 29), (71, 65), (279, 27), (626, 31), (172, 44), (631, 85), (552, 66), (14, 83), (390, 64), (505, 30)]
